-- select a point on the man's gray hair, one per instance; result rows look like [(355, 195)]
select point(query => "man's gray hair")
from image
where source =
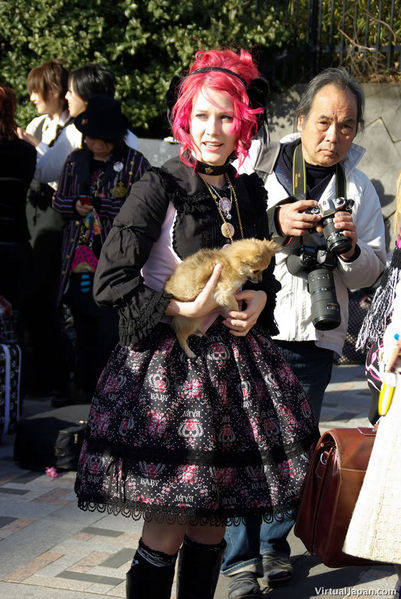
[(332, 76)]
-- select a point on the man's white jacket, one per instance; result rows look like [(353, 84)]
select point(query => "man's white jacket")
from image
[(293, 309)]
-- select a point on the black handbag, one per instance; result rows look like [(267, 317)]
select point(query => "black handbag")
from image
[(51, 438)]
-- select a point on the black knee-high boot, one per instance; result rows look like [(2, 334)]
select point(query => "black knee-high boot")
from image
[(151, 574), (198, 569)]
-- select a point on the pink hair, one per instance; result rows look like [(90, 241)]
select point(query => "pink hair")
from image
[(245, 118)]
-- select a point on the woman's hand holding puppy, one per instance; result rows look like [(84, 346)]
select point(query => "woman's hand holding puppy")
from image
[(203, 304), (240, 322)]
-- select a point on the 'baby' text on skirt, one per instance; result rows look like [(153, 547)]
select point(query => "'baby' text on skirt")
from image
[(218, 437)]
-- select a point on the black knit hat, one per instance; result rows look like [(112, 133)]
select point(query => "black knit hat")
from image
[(102, 119)]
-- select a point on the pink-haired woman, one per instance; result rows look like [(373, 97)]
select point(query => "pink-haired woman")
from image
[(192, 444)]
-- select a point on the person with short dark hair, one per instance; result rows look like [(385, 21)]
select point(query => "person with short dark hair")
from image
[(305, 176), (47, 86), (92, 80), (50, 366), (78, 87)]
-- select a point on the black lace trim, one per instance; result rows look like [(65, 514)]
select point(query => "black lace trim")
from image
[(176, 515), (133, 330), (197, 203)]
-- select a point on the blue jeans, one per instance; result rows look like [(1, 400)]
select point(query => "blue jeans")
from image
[(248, 542), (312, 366)]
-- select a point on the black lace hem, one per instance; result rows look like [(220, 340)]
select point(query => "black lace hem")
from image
[(176, 515)]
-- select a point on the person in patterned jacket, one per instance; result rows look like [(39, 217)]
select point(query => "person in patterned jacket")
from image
[(93, 186)]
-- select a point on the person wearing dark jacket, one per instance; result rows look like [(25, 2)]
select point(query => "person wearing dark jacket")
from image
[(92, 188), (17, 166), (193, 443)]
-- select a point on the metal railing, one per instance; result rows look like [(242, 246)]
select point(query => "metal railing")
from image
[(360, 35)]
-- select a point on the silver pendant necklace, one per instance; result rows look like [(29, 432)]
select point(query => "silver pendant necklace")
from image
[(225, 203)]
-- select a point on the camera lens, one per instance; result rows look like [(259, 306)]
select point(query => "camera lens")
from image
[(335, 239), (325, 308)]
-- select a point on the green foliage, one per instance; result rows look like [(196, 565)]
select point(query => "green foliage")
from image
[(144, 43)]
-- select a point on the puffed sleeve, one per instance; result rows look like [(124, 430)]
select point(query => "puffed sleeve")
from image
[(269, 283), (118, 281)]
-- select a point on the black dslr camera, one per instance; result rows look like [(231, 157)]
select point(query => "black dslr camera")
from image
[(318, 263), (335, 239)]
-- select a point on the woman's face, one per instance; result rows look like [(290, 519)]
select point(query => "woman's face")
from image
[(210, 127), (76, 104), (100, 149), (49, 106)]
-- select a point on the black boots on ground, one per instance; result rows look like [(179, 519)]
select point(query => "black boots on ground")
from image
[(152, 572), (198, 569)]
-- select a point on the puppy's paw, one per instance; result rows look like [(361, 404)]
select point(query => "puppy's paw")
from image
[(183, 341), (187, 350)]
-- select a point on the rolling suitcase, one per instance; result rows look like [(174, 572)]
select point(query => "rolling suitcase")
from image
[(10, 387), (52, 438)]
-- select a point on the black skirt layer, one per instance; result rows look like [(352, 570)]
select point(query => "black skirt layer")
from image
[(214, 438)]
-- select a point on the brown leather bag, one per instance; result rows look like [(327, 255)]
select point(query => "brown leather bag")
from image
[(330, 491)]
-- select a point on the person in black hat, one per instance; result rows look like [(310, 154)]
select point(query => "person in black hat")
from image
[(93, 186)]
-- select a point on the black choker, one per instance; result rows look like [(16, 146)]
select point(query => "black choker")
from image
[(209, 169)]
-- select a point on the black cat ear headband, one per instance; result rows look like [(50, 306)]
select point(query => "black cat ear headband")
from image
[(257, 91)]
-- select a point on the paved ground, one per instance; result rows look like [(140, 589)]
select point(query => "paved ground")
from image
[(51, 550)]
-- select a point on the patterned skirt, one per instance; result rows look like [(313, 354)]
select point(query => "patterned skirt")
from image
[(216, 438)]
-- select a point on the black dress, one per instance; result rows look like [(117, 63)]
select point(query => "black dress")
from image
[(217, 437)]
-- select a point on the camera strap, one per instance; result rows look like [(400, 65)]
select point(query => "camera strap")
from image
[(299, 175)]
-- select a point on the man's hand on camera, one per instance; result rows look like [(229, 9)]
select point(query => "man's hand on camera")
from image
[(292, 219), (343, 221)]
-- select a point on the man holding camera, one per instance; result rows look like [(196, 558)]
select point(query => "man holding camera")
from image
[(327, 216)]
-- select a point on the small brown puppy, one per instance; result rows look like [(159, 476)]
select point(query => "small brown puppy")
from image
[(241, 261)]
